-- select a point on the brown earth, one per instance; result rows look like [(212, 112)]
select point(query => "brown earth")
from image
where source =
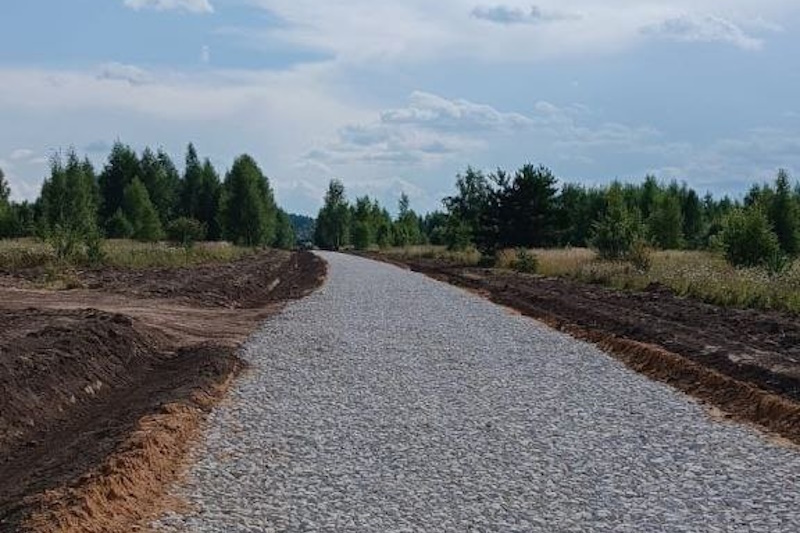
[(744, 362), (102, 389)]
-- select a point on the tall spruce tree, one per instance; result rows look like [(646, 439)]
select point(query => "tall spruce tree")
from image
[(120, 170), (191, 184), (784, 215), (666, 222), (248, 210), (208, 201), (284, 231), (141, 213), (158, 176)]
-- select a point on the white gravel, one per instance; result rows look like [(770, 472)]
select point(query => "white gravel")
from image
[(388, 402)]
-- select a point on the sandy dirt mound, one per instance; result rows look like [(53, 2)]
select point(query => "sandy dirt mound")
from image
[(104, 389)]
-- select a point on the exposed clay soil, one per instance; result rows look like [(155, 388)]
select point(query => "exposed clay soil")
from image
[(100, 388), (746, 362)]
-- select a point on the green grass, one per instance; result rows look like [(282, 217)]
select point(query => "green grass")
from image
[(20, 254)]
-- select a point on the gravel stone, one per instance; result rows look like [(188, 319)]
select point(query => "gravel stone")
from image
[(389, 402)]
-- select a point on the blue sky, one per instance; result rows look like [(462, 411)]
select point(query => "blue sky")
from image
[(399, 96)]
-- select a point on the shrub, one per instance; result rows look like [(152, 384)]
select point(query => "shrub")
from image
[(118, 226), (186, 231), (95, 255), (617, 230), (641, 255), (525, 262), (748, 238)]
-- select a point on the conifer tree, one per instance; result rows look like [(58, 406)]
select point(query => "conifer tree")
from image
[(141, 213)]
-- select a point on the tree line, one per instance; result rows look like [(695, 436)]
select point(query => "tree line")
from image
[(531, 208), (365, 224), (145, 197)]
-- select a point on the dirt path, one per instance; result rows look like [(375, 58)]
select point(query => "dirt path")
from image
[(102, 389)]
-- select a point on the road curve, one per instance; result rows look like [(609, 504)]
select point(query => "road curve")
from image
[(389, 402)]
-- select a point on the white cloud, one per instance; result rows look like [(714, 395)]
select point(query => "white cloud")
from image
[(121, 72), (192, 6), (205, 55), (707, 28), (380, 31), (428, 129), (502, 14), (430, 110), (21, 153), (277, 116)]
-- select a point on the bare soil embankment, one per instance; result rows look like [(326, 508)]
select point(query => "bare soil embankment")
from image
[(744, 362), (103, 389)]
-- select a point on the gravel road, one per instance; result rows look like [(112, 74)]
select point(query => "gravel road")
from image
[(389, 402)]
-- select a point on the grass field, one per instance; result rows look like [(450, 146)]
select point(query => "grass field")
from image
[(700, 275), (30, 253)]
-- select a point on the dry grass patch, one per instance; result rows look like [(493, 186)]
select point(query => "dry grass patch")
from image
[(22, 254), (468, 257)]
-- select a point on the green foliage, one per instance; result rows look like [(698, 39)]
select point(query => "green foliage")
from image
[(362, 235), (141, 213), (407, 226), (118, 226), (665, 224), (527, 208), (364, 227), (186, 231), (120, 170), (458, 234), (248, 212), (209, 198), (784, 214), (191, 184), (5, 190), (6, 215), (748, 238), (525, 262), (95, 253), (578, 208), (284, 231), (641, 255), (384, 228), (467, 208), (67, 206), (333, 222), (617, 230), (303, 227), (160, 177)]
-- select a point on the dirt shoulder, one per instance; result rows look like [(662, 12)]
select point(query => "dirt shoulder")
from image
[(103, 388), (745, 362)]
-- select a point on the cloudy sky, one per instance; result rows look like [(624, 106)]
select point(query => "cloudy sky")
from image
[(400, 95)]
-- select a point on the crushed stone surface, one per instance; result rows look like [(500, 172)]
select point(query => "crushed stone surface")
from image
[(389, 402)]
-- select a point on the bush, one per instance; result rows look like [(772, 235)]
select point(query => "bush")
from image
[(748, 239), (118, 226), (525, 262), (617, 230), (186, 231), (641, 255), (95, 255)]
